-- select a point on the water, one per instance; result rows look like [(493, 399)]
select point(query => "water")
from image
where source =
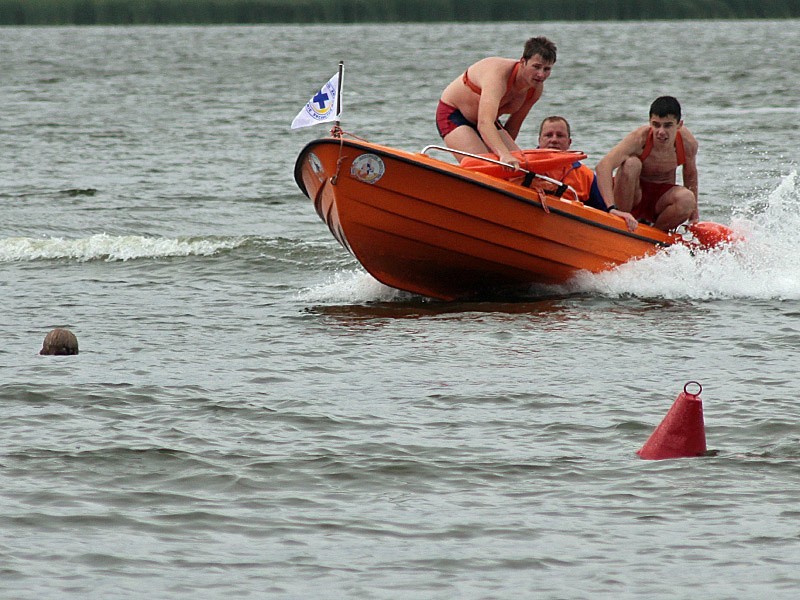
[(251, 415)]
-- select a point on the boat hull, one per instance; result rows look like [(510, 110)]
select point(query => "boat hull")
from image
[(427, 226)]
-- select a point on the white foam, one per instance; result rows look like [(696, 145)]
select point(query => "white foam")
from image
[(108, 247), (765, 266), (351, 286)]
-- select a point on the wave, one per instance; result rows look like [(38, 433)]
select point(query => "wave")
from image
[(111, 248), (278, 253)]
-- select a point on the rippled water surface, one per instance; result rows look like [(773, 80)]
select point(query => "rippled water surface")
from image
[(251, 415)]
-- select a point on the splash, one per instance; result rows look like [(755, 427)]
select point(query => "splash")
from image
[(353, 286), (765, 266), (109, 248)]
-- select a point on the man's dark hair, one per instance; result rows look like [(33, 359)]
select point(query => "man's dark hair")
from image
[(541, 46), (665, 106)]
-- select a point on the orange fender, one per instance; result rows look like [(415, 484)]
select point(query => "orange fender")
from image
[(707, 234), (538, 160)]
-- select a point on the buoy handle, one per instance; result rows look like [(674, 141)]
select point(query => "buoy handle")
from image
[(688, 383)]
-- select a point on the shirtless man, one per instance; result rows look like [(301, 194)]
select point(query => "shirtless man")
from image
[(646, 161), (470, 107)]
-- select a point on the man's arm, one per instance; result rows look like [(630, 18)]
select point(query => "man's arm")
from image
[(690, 177), (493, 88), (631, 145)]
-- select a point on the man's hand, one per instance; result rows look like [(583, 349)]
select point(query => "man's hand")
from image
[(630, 220)]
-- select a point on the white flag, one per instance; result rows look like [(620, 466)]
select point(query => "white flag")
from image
[(322, 106)]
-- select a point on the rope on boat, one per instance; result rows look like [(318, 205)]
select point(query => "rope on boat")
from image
[(339, 133)]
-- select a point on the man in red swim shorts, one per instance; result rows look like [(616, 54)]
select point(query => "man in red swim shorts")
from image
[(469, 109), (646, 162)]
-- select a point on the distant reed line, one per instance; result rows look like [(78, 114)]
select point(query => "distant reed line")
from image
[(132, 12)]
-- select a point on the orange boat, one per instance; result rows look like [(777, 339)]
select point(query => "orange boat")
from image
[(428, 226)]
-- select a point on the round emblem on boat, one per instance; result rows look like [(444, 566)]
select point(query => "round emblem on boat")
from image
[(315, 163), (368, 168)]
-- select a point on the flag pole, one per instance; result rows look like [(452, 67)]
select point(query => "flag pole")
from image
[(336, 131)]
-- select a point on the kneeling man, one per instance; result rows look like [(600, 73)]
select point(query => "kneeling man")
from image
[(646, 161)]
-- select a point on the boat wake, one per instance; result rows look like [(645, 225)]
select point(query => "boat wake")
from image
[(765, 266)]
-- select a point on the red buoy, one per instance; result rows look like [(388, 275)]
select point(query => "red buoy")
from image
[(682, 432), (707, 234)]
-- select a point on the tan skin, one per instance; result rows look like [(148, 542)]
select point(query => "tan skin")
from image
[(554, 135), (677, 205), (491, 75)]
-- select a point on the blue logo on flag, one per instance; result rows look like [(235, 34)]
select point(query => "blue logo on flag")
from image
[(322, 99), (322, 102)]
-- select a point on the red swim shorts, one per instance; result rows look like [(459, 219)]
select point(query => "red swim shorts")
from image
[(651, 193), (449, 117)]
